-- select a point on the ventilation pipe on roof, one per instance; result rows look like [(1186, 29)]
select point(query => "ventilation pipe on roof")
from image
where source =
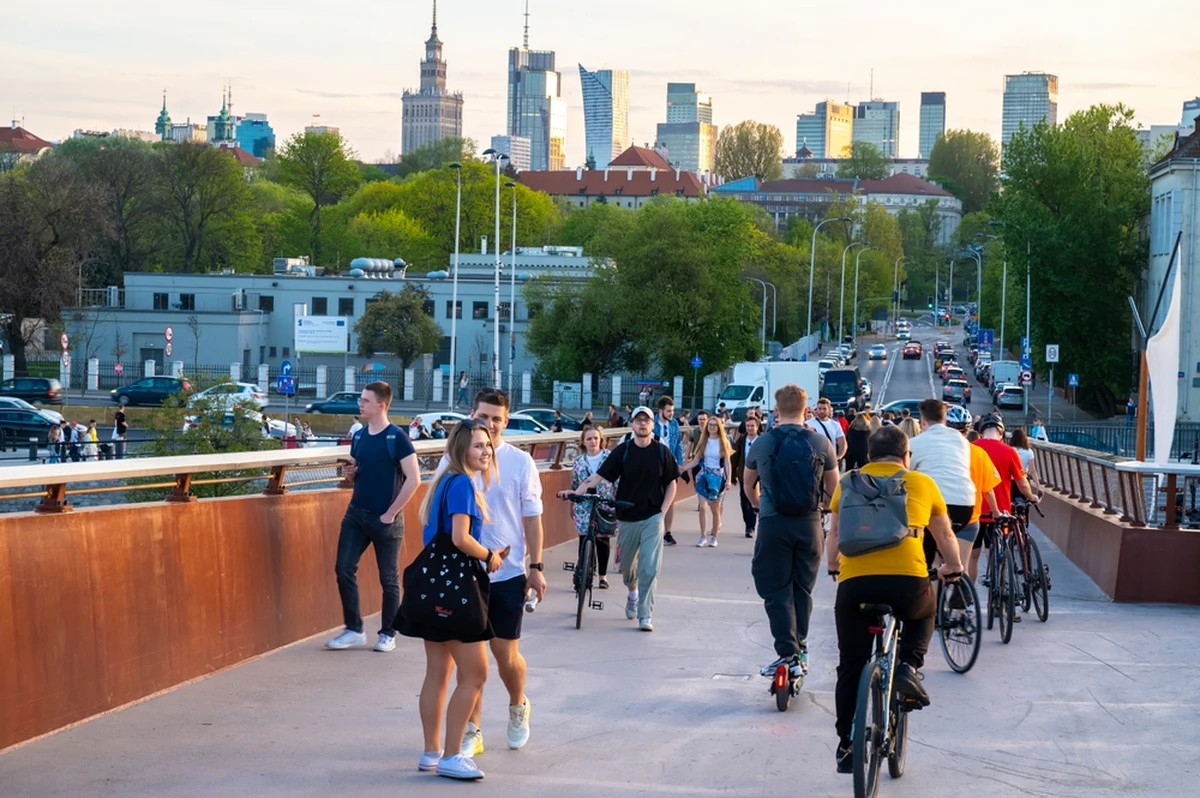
[(676, 174), (606, 174), (629, 176), (653, 172), (579, 173), (483, 246)]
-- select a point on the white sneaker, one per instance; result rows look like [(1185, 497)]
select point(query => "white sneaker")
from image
[(712, 543), (429, 761), (518, 725), (458, 767), (472, 741), (386, 643), (645, 625), (347, 639), (702, 542), (631, 603)]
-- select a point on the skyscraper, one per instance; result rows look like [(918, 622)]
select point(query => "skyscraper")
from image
[(933, 120), (688, 135), (605, 113), (1187, 123), (431, 113), (1029, 98), (877, 122), (828, 131), (536, 108)]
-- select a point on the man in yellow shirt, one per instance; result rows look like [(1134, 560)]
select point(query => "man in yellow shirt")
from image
[(896, 576)]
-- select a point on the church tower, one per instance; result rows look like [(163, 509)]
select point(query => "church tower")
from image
[(163, 126), (431, 113)]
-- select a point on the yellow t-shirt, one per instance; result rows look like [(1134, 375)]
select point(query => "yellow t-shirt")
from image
[(984, 475), (908, 557)]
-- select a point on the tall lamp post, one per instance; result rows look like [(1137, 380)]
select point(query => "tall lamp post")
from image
[(457, 167), (497, 157), (896, 291), (774, 308), (857, 257), (512, 297), (763, 344), (812, 266), (842, 302), (1028, 294)]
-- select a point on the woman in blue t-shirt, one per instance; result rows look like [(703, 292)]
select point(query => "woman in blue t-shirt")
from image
[(454, 506)]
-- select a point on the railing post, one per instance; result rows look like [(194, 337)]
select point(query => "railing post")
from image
[(1108, 508), (1092, 478), (1126, 516), (1079, 474), (1172, 519), (1070, 479), (557, 465), (182, 492), (275, 482), (55, 500)]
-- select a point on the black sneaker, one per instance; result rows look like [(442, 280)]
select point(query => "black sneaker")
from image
[(669, 539), (908, 684), (845, 758), (749, 533)]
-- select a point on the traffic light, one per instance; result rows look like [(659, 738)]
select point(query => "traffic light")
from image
[(895, 296), (929, 303)]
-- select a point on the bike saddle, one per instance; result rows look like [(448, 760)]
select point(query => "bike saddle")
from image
[(875, 609)]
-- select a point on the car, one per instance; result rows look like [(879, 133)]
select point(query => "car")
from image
[(1084, 440), (849, 350), (903, 335), (228, 395), (825, 365), (521, 424), (912, 351), (900, 405), (952, 372), (545, 417), (279, 429), (1010, 396), (19, 424), (13, 403), (36, 390), (956, 390), (877, 352), (836, 356), (866, 390), (343, 403), (424, 421), (152, 391)]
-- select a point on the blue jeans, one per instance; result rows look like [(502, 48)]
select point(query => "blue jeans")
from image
[(359, 530)]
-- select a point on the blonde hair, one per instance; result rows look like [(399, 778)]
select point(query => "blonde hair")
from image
[(457, 445), (726, 448), (790, 399), (910, 427)]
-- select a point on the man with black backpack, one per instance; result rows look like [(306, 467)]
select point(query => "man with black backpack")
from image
[(797, 469)]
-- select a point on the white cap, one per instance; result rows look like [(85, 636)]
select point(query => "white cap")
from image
[(641, 409)]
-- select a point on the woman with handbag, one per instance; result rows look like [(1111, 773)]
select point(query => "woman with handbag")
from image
[(445, 598), (585, 465), (712, 454)]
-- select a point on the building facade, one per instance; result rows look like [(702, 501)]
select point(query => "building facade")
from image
[(827, 167), (254, 134), (828, 131), (18, 145), (518, 150), (689, 136), (877, 122), (933, 121), (632, 179), (605, 114), (686, 104), (431, 113), (1029, 98), (536, 108)]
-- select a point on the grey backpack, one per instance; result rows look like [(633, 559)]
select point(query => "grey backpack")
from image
[(872, 513)]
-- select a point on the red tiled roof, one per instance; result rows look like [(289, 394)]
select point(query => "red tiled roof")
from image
[(592, 183), (244, 158), (640, 157), (18, 139), (898, 183), (901, 183)]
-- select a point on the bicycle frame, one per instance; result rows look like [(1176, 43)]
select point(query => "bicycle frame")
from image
[(886, 638)]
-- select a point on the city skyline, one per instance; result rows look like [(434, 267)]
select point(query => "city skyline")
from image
[(102, 70)]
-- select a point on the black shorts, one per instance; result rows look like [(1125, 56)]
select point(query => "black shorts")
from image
[(506, 607), (987, 530)]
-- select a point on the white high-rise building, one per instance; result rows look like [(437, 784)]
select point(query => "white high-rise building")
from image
[(431, 113), (1029, 98), (605, 113), (933, 121), (536, 108), (516, 148), (688, 135), (878, 122)]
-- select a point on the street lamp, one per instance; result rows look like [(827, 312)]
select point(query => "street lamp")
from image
[(842, 302), (457, 167), (896, 291), (812, 266), (763, 346), (497, 157), (512, 297), (774, 308), (1028, 294), (857, 257)]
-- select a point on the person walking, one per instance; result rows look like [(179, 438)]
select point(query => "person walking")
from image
[(454, 506), (738, 462), (463, 382), (824, 423), (52, 439), (666, 429), (1019, 440), (798, 471), (91, 441), (75, 441), (856, 440), (585, 465), (120, 432), (712, 456), (614, 418), (383, 467), (646, 470)]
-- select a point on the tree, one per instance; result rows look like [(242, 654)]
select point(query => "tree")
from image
[(390, 233), (198, 188), (398, 324), (320, 165), (865, 161), (1076, 195), (967, 164), (749, 148), (807, 171), (437, 154)]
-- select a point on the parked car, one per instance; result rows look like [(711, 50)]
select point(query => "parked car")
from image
[(912, 351), (19, 424), (343, 402), (151, 391), (825, 365), (279, 428), (424, 421), (877, 352), (867, 391), (850, 351), (522, 424), (36, 390), (13, 403), (228, 395), (1010, 396), (545, 417), (956, 390), (900, 405)]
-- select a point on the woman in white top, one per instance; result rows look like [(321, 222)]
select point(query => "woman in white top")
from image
[(585, 465), (712, 454), (1020, 442)]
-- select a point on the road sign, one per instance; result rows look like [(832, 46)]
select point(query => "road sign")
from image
[(1024, 343), (1051, 353), (1026, 360), (65, 341), (1072, 380), (697, 362), (169, 335), (285, 386), (1027, 376), (167, 350), (285, 368), (119, 369), (987, 339), (66, 360)]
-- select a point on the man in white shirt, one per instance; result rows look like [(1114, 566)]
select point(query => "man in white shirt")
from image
[(515, 507), (944, 455), (825, 424)]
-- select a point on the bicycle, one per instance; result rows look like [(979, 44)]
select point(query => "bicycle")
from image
[(1002, 578), (957, 621), (602, 522), (1033, 576)]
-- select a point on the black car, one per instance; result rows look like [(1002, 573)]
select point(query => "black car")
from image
[(35, 390), (151, 391), (1084, 440), (18, 425), (344, 402)]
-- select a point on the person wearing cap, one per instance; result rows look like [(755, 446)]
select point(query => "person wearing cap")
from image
[(666, 429), (1008, 466)]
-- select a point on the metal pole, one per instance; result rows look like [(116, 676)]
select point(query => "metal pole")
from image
[(812, 267), (774, 308), (950, 297), (937, 297), (496, 298), (896, 292), (857, 258), (512, 299), (1028, 335), (842, 301), (1050, 397), (454, 294), (1003, 306)]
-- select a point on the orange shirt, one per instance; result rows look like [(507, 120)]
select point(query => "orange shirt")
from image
[(984, 475)]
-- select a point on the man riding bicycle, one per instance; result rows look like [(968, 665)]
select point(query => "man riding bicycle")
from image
[(1008, 465)]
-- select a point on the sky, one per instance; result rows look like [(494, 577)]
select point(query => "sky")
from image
[(80, 64)]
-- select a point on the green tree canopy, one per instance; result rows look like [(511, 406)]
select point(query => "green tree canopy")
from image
[(437, 154), (320, 165), (967, 163), (865, 161), (398, 324), (749, 148)]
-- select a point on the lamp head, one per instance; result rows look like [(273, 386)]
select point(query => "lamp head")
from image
[(455, 165)]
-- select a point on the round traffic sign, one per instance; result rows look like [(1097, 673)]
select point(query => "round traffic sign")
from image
[(66, 360), (1026, 376), (167, 351), (697, 362), (119, 368), (169, 335), (65, 340)]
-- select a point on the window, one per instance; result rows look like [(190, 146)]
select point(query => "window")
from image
[(287, 351), (187, 301), (266, 303), (320, 306), (346, 306), (272, 351), (479, 310), (160, 301), (430, 307), (456, 311), (504, 311)]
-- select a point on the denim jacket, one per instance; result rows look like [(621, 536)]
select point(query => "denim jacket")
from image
[(673, 437)]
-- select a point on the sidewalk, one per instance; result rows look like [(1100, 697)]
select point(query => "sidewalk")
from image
[(1101, 701)]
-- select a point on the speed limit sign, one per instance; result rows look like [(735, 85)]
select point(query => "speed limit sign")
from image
[(169, 335)]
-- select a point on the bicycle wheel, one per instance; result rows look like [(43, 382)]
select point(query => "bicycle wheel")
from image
[(1040, 583), (585, 581), (869, 720), (1007, 592), (899, 747), (1022, 564), (993, 592), (959, 624)]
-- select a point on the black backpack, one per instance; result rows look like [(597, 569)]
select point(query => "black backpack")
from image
[(796, 476)]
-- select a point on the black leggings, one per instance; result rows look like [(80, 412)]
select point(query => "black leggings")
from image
[(603, 547)]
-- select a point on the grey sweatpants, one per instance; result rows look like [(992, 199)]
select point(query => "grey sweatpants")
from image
[(641, 545)]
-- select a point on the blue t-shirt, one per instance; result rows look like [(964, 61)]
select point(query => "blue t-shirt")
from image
[(459, 495), (375, 484)]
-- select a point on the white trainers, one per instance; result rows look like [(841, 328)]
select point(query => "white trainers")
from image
[(518, 725), (347, 639), (458, 767), (645, 625), (386, 643), (429, 761), (631, 603), (712, 542), (702, 542), (472, 741)]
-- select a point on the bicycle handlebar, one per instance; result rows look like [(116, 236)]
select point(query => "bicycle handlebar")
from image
[(576, 498)]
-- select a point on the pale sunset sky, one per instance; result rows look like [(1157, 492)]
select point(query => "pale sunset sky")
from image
[(79, 64)]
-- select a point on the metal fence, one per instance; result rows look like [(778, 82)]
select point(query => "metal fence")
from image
[(1121, 438)]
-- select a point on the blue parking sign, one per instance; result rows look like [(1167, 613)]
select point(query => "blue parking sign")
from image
[(285, 386)]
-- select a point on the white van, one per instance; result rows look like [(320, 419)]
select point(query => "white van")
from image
[(1006, 372)]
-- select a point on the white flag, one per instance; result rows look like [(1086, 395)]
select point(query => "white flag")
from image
[(1162, 360)]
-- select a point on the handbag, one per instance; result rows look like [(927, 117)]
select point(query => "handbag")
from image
[(446, 589)]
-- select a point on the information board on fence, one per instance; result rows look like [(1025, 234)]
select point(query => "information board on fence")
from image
[(321, 334)]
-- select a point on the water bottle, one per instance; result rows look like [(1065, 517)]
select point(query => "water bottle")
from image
[(531, 600)]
